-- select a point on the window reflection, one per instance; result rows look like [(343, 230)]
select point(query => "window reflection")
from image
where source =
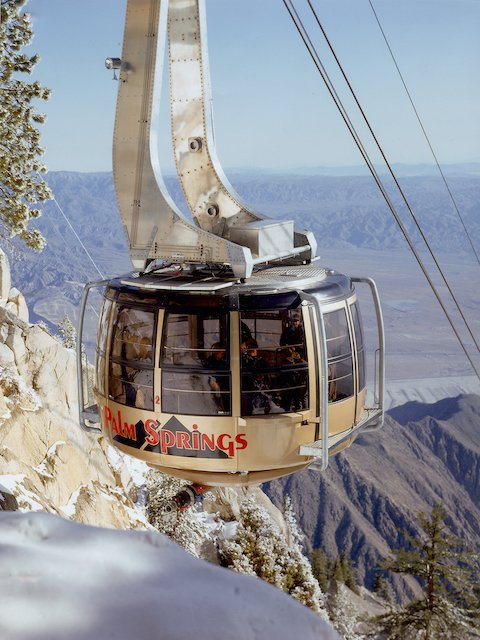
[(357, 323), (339, 353), (131, 375), (196, 364), (273, 362)]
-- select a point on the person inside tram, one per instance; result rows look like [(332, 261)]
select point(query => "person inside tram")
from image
[(256, 386), (217, 358), (292, 382), (294, 335), (219, 384)]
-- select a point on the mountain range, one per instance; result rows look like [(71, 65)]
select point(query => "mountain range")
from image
[(85, 239), (426, 454)]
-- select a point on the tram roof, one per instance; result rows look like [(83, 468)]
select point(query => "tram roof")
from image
[(282, 285)]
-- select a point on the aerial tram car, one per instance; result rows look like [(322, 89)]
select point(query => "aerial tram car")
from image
[(229, 356)]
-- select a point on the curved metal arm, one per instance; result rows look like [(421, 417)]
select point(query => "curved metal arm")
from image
[(227, 232), (84, 412)]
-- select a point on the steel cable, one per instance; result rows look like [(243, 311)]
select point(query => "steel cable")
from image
[(316, 60), (447, 186)]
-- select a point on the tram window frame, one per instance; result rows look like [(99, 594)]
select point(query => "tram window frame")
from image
[(193, 384), (360, 345), (101, 346), (336, 358), (272, 371), (136, 358)]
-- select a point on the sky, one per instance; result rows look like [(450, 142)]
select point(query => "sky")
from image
[(271, 108)]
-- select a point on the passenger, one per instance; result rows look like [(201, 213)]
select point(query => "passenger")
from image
[(218, 357), (255, 398), (294, 335), (245, 332), (219, 384), (292, 381)]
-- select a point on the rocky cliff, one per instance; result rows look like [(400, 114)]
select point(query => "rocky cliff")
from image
[(46, 462)]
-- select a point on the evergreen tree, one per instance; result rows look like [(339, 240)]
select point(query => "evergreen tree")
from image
[(259, 548), (348, 573), (320, 568), (383, 588), (447, 608), (21, 186), (68, 333), (186, 528), (342, 571), (341, 611)]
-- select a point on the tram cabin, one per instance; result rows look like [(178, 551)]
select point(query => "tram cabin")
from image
[(222, 382)]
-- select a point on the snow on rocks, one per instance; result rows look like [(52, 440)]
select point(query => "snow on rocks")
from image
[(17, 304), (5, 282), (63, 469), (85, 582)]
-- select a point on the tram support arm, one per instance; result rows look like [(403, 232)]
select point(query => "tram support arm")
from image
[(85, 413)]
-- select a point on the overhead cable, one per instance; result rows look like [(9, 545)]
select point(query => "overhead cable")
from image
[(392, 173), (447, 186), (316, 60)]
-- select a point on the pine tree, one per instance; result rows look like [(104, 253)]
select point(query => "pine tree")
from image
[(447, 608), (259, 548), (21, 186), (68, 333), (383, 588), (186, 528), (348, 573), (320, 568), (342, 612)]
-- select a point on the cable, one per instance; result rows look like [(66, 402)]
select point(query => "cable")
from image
[(425, 134), (397, 184), (316, 60), (78, 238)]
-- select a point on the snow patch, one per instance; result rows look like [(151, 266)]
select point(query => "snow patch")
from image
[(83, 582)]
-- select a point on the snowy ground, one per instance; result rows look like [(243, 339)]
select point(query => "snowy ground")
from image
[(428, 390), (62, 580)]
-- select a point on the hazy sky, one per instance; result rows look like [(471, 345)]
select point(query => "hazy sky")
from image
[(271, 107)]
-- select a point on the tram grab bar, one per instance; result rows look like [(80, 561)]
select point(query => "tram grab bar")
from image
[(380, 380), (85, 413)]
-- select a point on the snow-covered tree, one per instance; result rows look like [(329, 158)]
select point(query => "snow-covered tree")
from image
[(447, 609), (187, 527), (341, 611), (259, 548), (21, 185), (68, 333)]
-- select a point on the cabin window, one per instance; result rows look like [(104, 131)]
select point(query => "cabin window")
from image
[(339, 354), (274, 368), (357, 324), (195, 364), (131, 369), (101, 346)]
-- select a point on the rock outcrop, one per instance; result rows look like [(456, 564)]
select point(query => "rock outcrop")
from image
[(46, 462)]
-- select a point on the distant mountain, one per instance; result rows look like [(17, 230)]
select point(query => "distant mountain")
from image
[(425, 454), (344, 212)]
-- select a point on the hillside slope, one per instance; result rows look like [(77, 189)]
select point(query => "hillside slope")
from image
[(426, 454)]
